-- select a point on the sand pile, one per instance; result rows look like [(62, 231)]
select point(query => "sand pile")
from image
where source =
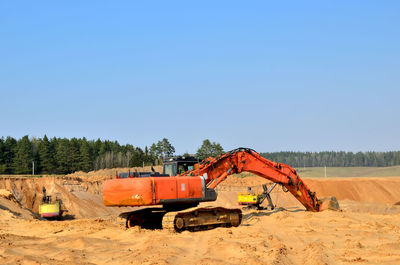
[(10, 208), (110, 173), (374, 190), (7, 195), (79, 198), (81, 193)]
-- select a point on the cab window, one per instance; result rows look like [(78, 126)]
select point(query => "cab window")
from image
[(170, 169)]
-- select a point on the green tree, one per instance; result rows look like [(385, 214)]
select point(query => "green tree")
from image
[(155, 153), (137, 158), (165, 148), (46, 156), (63, 155), (10, 147), (85, 162), (209, 149), (2, 160), (23, 156), (186, 154), (74, 155)]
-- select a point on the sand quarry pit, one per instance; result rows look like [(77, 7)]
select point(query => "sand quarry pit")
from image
[(367, 231)]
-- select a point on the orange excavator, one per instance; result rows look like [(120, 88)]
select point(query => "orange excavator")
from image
[(175, 197)]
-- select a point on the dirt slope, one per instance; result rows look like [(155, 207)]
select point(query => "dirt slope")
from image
[(374, 190), (11, 208), (80, 192)]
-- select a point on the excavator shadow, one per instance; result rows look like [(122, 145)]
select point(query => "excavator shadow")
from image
[(258, 213)]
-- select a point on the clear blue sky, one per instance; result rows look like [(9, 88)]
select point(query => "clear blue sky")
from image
[(278, 75)]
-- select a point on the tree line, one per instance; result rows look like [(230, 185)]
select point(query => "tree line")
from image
[(63, 156), (335, 159)]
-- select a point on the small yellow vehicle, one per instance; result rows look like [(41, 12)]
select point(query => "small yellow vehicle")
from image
[(250, 199), (50, 209)]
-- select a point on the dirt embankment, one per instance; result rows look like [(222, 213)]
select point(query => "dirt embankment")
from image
[(11, 207), (81, 193), (28, 192), (111, 173), (373, 190)]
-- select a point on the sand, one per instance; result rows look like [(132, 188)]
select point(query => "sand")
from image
[(367, 231)]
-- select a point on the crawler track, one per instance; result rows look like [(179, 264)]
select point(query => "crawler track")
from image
[(196, 219), (191, 219)]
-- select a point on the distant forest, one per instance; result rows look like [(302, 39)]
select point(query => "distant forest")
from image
[(335, 159), (63, 156)]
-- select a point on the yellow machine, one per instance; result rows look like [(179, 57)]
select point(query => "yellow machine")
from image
[(50, 209), (246, 199), (251, 199)]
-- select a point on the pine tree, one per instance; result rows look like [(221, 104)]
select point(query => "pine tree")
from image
[(2, 159), (10, 147), (155, 153), (165, 148), (63, 154), (23, 156), (208, 149), (74, 155), (46, 157), (85, 162), (137, 158)]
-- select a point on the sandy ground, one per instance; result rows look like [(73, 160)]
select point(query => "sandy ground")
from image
[(367, 231)]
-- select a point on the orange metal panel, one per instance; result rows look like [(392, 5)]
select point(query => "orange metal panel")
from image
[(150, 190), (194, 187), (128, 192), (165, 188), (182, 187), (178, 188)]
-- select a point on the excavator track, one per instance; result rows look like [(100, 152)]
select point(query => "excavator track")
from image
[(168, 221), (197, 219), (148, 218)]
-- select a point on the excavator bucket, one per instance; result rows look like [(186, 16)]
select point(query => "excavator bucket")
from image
[(328, 203)]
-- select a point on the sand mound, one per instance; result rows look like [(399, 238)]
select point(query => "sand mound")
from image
[(104, 174), (81, 193), (374, 190), (7, 195), (11, 208), (80, 199)]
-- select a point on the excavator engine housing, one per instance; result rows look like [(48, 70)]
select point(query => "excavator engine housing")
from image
[(156, 191)]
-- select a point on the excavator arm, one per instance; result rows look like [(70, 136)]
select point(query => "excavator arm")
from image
[(216, 170)]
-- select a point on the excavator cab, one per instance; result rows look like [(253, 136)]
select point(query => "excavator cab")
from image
[(173, 166)]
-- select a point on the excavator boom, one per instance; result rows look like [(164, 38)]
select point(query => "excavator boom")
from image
[(215, 170)]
